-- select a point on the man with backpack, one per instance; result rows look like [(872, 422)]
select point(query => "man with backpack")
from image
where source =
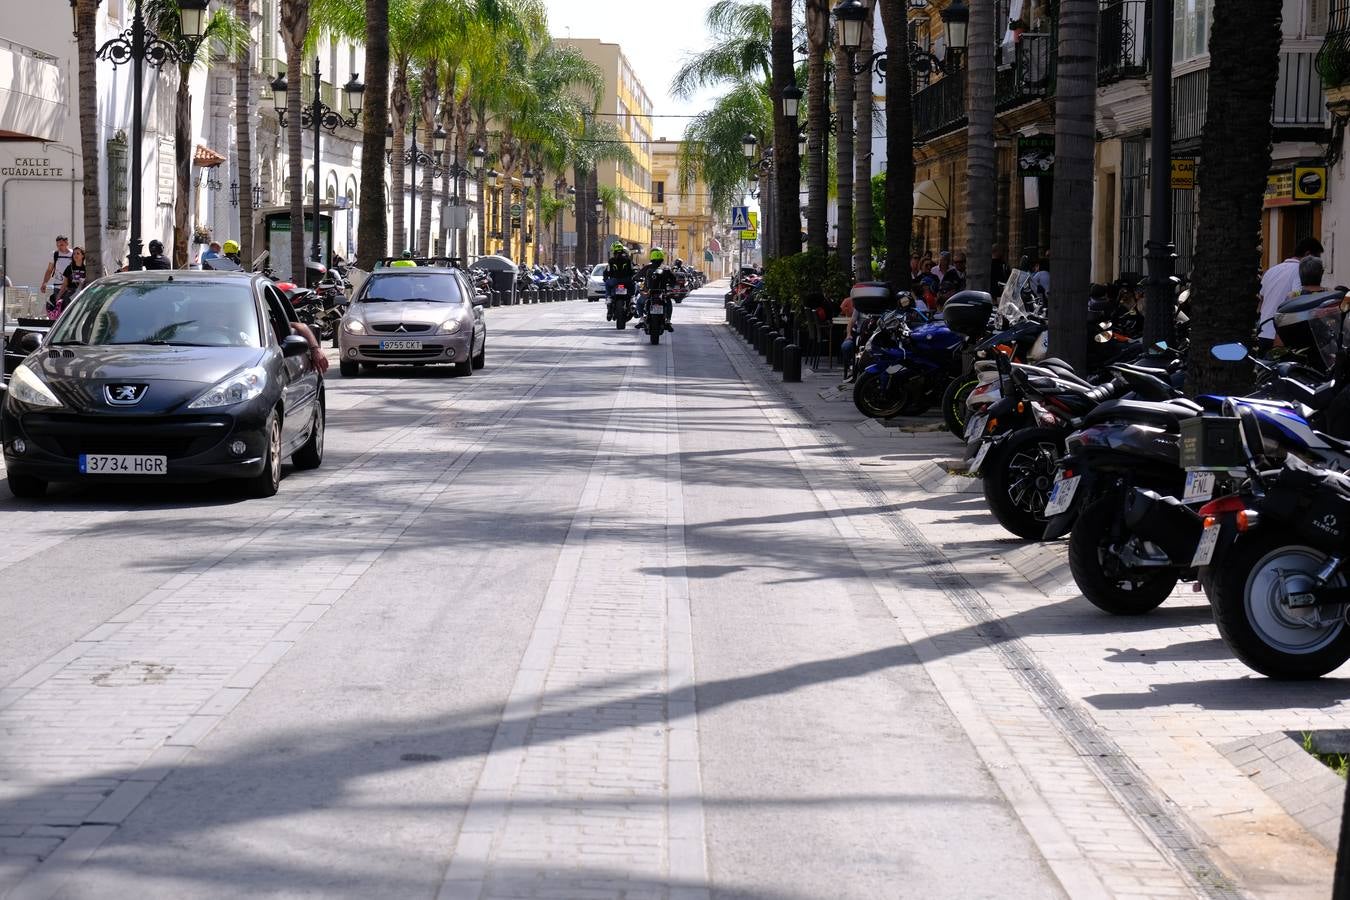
[(619, 271), (55, 276)]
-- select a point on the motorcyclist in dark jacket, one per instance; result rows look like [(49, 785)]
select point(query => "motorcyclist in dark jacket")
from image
[(619, 271), (655, 278)]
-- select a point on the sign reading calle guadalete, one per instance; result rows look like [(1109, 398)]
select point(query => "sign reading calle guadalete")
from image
[(32, 167)]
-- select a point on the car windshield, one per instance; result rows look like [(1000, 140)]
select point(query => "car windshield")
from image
[(185, 313), (599, 270), (429, 287)]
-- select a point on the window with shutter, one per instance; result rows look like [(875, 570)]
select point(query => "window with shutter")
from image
[(117, 182), (1319, 17)]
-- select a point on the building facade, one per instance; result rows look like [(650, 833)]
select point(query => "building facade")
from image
[(684, 221)]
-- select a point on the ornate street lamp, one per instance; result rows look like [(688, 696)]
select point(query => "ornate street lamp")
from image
[(748, 145), (956, 20), (138, 46), (319, 115), (792, 100), (851, 15), (415, 156)]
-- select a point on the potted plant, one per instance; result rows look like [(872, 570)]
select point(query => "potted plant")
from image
[(201, 234)]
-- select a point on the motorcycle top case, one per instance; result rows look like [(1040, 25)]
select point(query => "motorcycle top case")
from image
[(1212, 442), (968, 312), (872, 298)]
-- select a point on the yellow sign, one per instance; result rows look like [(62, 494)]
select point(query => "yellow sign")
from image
[(1183, 174), (752, 233), (1280, 189), (1310, 182)]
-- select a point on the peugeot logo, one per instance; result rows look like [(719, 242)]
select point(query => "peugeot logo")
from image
[(123, 394)]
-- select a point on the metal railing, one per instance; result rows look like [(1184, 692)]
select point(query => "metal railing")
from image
[(1333, 60), (940, 107), (1299, 100), (1031, 75), (1123, 40), (1190, 97)]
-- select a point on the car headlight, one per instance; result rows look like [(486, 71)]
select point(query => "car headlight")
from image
[(451, 326), (238, 388), (354, 326), (27, 388)]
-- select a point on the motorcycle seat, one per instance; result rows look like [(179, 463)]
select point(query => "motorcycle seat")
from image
[(1166, 414), (1064, 370)]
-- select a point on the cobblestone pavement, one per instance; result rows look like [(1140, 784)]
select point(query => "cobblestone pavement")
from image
[(609, 620)]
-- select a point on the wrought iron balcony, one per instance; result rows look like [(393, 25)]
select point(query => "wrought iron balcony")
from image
[(1123, 40), (1333, 60), (1031, 76), (940, 107)]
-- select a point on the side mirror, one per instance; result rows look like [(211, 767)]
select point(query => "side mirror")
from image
[(30, 341), (1229, 352), (294, 345)]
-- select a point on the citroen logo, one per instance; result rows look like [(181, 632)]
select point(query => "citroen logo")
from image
[(400, 328), (123, 394)]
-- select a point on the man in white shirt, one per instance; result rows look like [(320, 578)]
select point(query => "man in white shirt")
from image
[(1280, 282)]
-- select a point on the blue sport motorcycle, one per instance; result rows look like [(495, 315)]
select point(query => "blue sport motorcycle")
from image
[(906, 369)]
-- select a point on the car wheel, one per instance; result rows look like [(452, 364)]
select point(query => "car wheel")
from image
[(464, 368), (26, 487), (267, 482), (348, 369), (310, 456), (481, 359)]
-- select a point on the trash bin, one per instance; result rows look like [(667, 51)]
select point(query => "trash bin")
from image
[(504, 283)]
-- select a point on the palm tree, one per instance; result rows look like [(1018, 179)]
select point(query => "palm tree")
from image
[(742, 32), (817, 126), (711, 150), (372, 237), (1244, 47), (244, 110), (224, 29), (980, 161), (1075, 147), (294, 30), (899, 144), (87, 11), (787, 167), (862, 156), (844, 97)]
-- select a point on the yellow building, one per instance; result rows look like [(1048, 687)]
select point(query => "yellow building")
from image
[(626, 104), (683, 220)]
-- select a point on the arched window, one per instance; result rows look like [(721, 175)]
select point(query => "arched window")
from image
[(353, 191)]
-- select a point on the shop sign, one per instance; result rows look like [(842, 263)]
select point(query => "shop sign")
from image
[(1280, 189), (32, 167), (1036, 155), (1183, 174), (751, 233), (1310, 182)]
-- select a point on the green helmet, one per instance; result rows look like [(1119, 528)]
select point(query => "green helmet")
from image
[(617, 247), (657, 255)]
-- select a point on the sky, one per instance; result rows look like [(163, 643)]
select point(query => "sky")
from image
[(656, 36)]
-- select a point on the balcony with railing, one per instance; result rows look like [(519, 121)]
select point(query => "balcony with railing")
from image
[(940, 107), (1300, 102), (1123, 40), (1030, 75)]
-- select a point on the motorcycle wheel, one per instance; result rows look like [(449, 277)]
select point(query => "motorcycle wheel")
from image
[(1248, 597), (619, 323), (954, 412), (874, 402), (655, 335), (917, 399), (1097, 570), (1018, 479)]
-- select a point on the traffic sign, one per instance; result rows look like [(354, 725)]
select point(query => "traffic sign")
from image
[(740, 218)]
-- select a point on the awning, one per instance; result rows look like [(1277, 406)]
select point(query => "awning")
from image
[(930, 199), (206, 158)]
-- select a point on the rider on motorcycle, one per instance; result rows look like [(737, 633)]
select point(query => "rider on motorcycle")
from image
[(619, 271), (655, 278)]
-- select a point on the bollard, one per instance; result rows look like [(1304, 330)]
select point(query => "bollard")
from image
[(751, 328), (727, 309), (767, 350), (778, 344), (792, 363), (762, 340)]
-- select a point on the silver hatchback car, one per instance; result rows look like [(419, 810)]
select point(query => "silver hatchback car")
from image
[(414, 316)]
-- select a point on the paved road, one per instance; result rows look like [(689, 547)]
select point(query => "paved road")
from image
[(594, 622)]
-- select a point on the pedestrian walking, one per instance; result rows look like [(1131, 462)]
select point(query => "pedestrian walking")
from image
[(1278, 284), (71, 284), (156, 259), (212, 251), (55, 276)]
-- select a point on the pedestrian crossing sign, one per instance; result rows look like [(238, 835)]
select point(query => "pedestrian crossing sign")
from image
[(740, 218)]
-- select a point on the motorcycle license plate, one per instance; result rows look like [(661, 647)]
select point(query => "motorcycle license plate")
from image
[(1199, 486), (400, 345), (1061, 495), (621, 291), (979, 458), (656, 309), (118, 464), (975, 427), (1204, 551)]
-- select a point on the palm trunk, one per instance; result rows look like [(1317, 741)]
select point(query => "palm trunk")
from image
[(843, 101), (593, 194), (899, 145), (399, 102), (243, 128), (182, 142), (862, 159), (89, 138), (818, 117), (981, 179), (480, 139), (583, 249), (1075, 148), (538, 210), (373, 228), (443, 228), (787, 165), (1244, 46), (428, 98), (295, 151)]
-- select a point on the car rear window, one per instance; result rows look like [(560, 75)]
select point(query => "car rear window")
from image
[(436, 287), (177, 313)]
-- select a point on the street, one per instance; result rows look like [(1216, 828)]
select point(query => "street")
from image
[(610, 620)]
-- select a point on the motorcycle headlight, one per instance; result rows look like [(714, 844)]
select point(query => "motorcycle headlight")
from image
[(354, 326), (450, 326), (25, 387), (238, 388)]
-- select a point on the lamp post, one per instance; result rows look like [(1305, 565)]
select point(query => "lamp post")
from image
[(319, 116), (527, 184), (1159, 308), (851, 14), (492, 177), (138, 47), (413, 157), (600, 217)]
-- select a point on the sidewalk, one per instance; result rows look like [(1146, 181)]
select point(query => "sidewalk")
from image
[(1120, 728)]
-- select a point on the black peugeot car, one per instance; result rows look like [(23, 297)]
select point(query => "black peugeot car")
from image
[(165, 376)]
